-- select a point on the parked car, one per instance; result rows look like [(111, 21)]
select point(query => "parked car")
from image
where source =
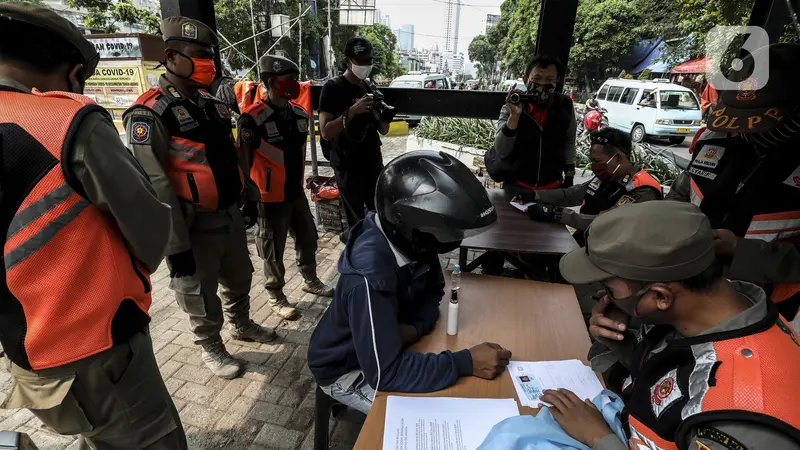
[(421, 81), (516, 84), (673, 113)]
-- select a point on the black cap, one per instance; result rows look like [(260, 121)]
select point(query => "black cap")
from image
[(746, 110), (47, 19), (359, 48)]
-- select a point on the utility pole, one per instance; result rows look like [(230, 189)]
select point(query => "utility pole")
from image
[(300, 40), (329, 44)]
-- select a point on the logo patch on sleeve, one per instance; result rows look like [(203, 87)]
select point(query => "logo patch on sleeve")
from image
[(222, 110), (140, 132), (665, 393), (625, 199), (247, 135), (794, 178)]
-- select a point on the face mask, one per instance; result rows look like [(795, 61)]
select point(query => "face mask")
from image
[(203, 70), (601, 170), (361, 72), (287, 89), (630, 304), (541, 92)]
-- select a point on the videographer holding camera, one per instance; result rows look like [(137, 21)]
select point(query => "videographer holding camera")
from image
[(351, 114), (535, 141)]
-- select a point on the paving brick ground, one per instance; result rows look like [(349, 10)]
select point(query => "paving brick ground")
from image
[(272, 405)]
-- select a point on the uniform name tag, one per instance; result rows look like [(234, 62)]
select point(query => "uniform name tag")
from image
[(275, 139), (702, 173), (182, 114), (794, 178), (709, 156), (272, 129)]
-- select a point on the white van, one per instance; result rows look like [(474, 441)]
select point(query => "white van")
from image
[(672, 113)]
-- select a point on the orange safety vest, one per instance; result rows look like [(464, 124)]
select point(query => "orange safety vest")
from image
[(602, 196), (192, 132), (67, 267), (248, 92), (747, 375), (304, 99), (279, 141), (776, 216)]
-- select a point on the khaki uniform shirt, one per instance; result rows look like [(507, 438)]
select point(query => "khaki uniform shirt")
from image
[(115, 183), (751, 435), (153, 158)]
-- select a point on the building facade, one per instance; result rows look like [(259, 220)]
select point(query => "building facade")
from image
[(491, 20), (405, 37), (452, 15)]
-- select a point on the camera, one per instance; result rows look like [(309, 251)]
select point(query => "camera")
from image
[(516, 98), (385, 111)]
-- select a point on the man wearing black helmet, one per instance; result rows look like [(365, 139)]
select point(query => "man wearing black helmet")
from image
[(391, 284), (82, 230)]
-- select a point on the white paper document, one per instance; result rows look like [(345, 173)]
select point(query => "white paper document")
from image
[(522, 206), (442, 423), (531, 379)]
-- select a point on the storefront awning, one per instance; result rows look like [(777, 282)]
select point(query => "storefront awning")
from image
[(696, 65)]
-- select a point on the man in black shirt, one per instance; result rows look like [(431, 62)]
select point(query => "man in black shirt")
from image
[(350, 124)]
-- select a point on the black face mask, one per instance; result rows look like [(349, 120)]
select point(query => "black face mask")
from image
[(541, 92)]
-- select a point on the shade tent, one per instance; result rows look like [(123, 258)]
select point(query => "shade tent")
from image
[(695, 65)]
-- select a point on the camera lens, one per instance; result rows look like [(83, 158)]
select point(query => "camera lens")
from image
[(513, 98)]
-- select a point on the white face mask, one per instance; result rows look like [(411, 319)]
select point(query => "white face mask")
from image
[(361, 71)]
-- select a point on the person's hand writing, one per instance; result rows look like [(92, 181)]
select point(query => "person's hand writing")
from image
[(724, 243), (362, 106), (489, 360), (579, 418), (608, 323), (409, 334)]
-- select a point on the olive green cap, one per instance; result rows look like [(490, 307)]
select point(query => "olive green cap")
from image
[(277, 65), (47, 19), (188, 30), (650, 241)]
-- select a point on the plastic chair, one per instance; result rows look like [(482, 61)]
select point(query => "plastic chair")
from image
[(324, 406)]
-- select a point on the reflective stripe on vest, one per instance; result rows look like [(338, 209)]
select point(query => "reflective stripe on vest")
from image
[(66, 262), (694, 193), (784, 226), (190, 173)]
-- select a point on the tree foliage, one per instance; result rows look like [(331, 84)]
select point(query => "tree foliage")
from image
[(106, 15), (484, 54), (383, 42)]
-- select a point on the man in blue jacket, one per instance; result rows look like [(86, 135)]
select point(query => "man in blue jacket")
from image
[(391, 284)]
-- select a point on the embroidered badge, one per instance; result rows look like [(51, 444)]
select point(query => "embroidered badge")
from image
[(709, 157), (174, 92), (247, 135), (302, 125), (625, 199), (182, 115), (222, 110), (189, 30), (747, 90), (794, 179), (276, 66), (595, 184), (140, 132), (665, 392), (701, 446), (272, 129)]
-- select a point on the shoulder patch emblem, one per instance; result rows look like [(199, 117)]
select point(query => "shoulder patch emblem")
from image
[(665, 393), (794, 179), (302, 125), (140, 132), (189, 30), (625, 199), (174, 92), (701, 446), (222, 110), (247, 135)]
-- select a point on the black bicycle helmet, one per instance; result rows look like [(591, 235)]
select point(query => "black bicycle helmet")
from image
[(428, 202)]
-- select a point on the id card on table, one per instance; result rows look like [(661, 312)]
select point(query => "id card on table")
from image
[(531, 379)]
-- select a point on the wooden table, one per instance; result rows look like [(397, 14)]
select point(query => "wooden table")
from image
[(536, 321), (515, 232)]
